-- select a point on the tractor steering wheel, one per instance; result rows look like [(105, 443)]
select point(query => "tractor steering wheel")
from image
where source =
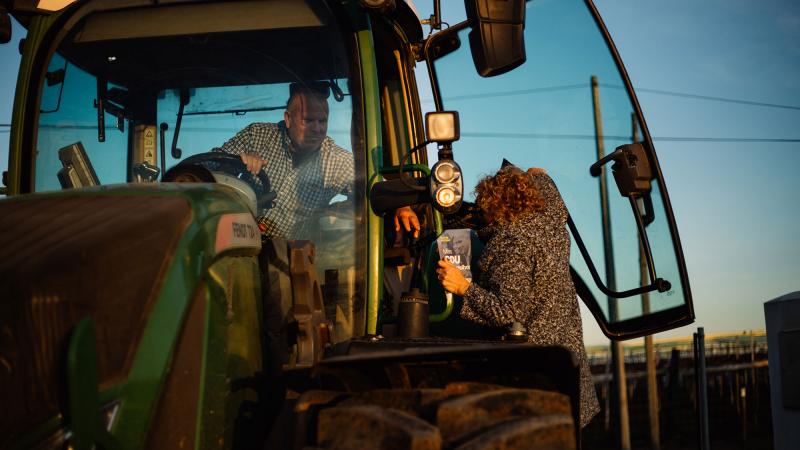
[(228, 163)]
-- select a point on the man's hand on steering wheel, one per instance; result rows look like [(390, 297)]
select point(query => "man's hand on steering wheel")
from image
[(253, 162), (196, 168)]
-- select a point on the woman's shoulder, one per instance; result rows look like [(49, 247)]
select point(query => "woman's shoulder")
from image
[(516, 233), (546, 186), (510, 243), (525, 231)]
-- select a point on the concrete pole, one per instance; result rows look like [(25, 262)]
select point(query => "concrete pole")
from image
[(650, 363), (619, 389)]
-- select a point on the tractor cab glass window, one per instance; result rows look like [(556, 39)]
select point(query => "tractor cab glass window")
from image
[(206, 84), (562, 110)]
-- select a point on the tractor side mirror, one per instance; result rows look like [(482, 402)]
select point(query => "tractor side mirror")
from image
[(5, 26), (497, 39)]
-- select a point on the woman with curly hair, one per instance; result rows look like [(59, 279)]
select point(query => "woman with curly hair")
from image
[(523, 273)]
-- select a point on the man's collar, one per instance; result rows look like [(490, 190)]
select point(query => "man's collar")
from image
[(287, 147)]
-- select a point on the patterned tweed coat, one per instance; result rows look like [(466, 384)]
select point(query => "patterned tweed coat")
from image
[(523, 276)]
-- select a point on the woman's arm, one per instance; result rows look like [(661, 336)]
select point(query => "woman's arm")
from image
[(242, 144), (507, 298)]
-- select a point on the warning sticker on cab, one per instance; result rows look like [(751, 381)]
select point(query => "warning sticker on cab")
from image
[(237, 231)]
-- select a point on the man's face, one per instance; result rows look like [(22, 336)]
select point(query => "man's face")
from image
[(307, 122), (460, 244)]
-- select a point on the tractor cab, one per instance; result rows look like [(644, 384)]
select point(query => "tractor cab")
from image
[(160, 294), (147, 96)]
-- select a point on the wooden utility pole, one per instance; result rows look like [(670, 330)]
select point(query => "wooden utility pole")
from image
[(650, 363), (701, 389), (619, 390)]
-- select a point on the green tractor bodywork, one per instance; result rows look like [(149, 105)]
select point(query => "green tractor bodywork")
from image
[(193, 298), (139, 314)]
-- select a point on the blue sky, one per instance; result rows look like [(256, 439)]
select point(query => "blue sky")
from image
[(737, 204)]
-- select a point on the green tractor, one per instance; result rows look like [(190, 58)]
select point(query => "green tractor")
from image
[(138, 311)]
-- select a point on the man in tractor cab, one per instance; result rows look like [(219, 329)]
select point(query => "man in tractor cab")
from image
[(305, 167)]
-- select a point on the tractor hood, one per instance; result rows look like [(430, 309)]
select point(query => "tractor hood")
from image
[(108, 253)]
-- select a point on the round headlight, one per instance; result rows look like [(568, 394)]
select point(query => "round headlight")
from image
[(446, 185), (378, 5), (445, 173), (446, 196)]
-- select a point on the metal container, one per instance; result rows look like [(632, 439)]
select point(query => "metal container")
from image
[(413, 314), (783, 338)]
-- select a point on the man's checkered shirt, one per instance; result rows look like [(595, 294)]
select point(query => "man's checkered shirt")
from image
[(300, 190)]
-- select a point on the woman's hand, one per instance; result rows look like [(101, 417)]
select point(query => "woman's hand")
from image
[(536, 170), (452, 279)]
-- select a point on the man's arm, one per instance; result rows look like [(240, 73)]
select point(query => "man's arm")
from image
[(254, 163), (242, 144), (507, 296)]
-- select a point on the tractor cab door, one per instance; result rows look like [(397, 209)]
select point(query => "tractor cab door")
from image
[(571, 110)]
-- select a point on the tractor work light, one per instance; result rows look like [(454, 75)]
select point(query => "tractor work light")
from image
[(446, 186), (442, 127)]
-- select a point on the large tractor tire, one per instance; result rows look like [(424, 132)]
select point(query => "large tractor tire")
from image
[(461, 416)]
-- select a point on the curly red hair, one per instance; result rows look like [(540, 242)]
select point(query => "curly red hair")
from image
[(508, 195)]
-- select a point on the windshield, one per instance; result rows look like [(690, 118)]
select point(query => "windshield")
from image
[(134, 101), (542, 114)]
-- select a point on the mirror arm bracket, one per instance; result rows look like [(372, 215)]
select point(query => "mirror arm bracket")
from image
[(427, 54), (658, 284), (644, 241)]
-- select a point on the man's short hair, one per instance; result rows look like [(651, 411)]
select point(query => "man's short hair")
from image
[(318, 89)]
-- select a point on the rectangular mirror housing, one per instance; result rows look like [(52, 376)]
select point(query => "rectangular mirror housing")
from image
[(497, 39), (5, 26)]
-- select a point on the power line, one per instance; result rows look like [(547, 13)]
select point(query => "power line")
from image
[(613, 86), (715, 139), (479, 134), (499, 135), (516, 92), (622, 138), (707, 97)]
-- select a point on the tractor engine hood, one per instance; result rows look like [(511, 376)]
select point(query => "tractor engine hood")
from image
[(108, 253)]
